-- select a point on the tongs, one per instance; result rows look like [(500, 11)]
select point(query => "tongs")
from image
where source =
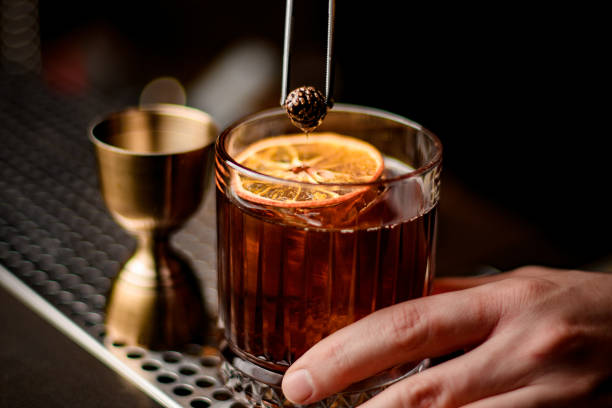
[(329, 60)]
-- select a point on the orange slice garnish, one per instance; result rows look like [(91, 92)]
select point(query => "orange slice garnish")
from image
[(320, 162)]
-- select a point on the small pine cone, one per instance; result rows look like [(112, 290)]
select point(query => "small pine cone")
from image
[(306, 107)]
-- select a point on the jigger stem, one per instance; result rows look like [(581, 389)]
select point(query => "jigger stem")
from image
[(155, 301), (150, 264)]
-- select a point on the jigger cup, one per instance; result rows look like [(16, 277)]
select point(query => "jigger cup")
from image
[(155, 165)]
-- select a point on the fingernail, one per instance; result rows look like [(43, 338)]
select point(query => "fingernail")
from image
[(298, 386)]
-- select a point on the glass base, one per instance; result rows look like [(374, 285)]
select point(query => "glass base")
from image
[(255, 386)]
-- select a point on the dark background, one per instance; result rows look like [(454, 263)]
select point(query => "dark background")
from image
[(516, 92)]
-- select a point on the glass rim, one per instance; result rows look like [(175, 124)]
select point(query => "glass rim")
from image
[(338, 107)]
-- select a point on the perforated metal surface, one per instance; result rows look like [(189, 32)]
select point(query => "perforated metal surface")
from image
[(58, 238)]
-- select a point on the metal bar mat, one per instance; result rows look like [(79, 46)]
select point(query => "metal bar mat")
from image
[(58, 238)]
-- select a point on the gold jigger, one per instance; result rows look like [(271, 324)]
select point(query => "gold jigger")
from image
[(155, 165)]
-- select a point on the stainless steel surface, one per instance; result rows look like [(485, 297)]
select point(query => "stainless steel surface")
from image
[(171, 378), (42, 366), (58, 240), (20, 50), (329, 58)]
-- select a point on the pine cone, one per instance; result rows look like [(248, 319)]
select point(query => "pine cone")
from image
[(306, 107)]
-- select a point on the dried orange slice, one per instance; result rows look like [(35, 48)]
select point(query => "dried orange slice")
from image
[(320, 162)]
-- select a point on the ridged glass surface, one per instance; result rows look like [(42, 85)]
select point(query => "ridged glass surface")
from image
[(285, 287)]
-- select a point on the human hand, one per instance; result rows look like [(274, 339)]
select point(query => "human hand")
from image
[(536, 337)]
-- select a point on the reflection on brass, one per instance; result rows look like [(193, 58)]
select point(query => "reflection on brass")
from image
[(155, 165)]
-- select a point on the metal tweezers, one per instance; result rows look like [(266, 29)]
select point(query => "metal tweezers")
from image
[(329, 63)]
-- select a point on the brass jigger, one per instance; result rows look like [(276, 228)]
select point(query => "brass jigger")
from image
[(155, 165)]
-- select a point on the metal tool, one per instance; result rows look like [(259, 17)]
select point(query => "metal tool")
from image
[(329, 59), (154, 165)]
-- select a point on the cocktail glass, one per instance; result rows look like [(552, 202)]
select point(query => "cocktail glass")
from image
[(291, 275)]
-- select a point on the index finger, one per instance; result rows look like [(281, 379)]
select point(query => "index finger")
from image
[(448, 284), (409, 331)]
